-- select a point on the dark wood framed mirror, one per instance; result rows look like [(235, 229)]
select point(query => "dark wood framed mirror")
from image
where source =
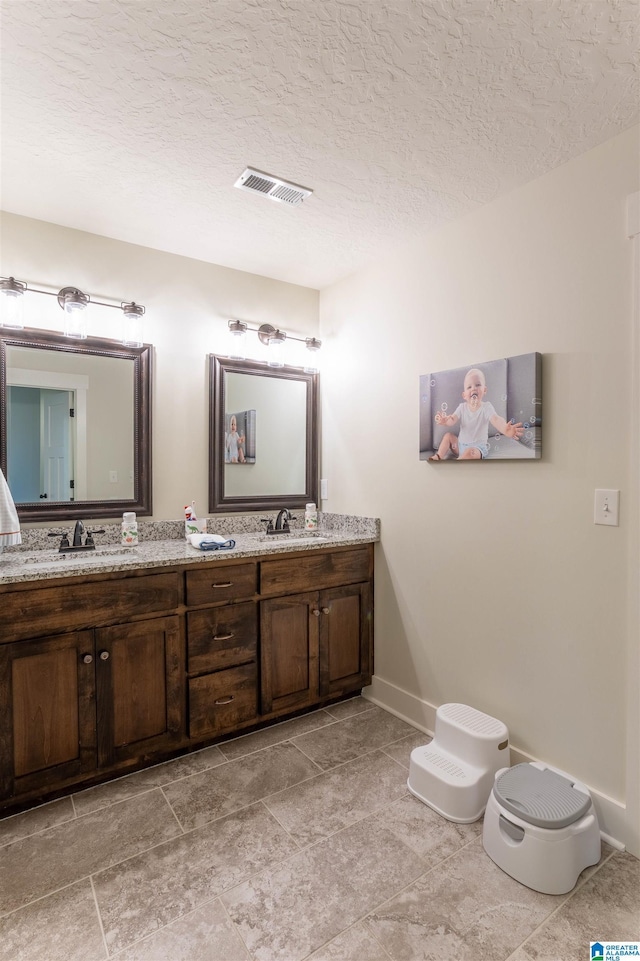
[(75, 425), (263, 436)]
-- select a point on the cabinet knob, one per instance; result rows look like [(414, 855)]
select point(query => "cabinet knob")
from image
[(104, 655), (316, 612), (325, 610), (225, 700), (88, 658)]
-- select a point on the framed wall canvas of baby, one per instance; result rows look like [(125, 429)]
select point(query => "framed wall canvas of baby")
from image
[(486, 411)]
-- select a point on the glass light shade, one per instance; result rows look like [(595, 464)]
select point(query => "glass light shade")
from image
[(276, 342), (237, 339), (132, 325), (12, 294), (74, 302), (312, 359), (75, 323)]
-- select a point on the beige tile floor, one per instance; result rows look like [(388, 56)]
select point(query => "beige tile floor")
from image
[(300, 841)]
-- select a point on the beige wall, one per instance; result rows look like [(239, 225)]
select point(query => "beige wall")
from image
[(493, 586), (188, 303)]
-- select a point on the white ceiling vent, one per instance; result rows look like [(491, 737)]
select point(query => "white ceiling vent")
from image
[(272, 187)]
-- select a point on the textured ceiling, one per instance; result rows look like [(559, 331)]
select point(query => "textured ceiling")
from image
[(133, 119)]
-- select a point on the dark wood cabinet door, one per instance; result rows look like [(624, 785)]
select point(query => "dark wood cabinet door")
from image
[(47, 711), (346, 632), (140, 690), (289, 652)]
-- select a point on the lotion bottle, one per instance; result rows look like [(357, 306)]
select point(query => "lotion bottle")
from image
[(129, 535), (311, 518)]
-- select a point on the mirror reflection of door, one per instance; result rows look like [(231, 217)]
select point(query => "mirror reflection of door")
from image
[(46, 435), (40, 441), (56, 412)]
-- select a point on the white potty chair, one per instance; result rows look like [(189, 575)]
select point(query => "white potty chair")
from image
[(454, 774), (540, 827)]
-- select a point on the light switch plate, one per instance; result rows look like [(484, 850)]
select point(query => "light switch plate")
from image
[(606, 508), (324, 490)]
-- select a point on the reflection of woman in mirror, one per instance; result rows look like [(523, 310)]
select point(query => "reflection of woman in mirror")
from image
[(234, 443)]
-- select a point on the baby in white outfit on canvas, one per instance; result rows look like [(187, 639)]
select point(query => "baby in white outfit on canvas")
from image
[(474, 415)]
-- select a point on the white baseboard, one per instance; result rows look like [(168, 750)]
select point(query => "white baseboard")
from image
[(612, 814)]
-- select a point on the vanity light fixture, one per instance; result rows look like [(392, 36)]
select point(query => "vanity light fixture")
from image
[(132, 316), (312, 344), (273, 338), (238, 336), (12, 291), (74, 303)]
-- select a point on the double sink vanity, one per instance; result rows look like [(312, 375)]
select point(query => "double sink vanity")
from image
[(117, 658)]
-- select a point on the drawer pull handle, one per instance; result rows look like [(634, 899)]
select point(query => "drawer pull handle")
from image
[(325, 610), (223, 637), (88, 658), (316, 612), (225, 700), (224, 584)]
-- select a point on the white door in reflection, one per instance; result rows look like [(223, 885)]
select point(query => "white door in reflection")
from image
[(46, 446), (40, 443), (56, 409)]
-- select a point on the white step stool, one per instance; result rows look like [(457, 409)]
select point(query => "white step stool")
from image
[(454, 774), (540, 827)]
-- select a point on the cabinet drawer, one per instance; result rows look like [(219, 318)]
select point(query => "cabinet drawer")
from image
[(315, 571), (221, 637), (219, 702), (47, 610), (234, 582)]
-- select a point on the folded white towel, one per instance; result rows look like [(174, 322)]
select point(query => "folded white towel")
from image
[(9, 523), (210, 542)]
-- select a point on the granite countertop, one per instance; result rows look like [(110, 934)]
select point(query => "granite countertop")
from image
[(18, 565)]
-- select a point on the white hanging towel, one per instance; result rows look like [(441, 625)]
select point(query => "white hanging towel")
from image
[(9, 523)]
